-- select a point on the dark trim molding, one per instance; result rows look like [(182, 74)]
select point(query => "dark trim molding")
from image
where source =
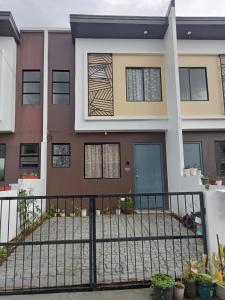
[(8, 26)]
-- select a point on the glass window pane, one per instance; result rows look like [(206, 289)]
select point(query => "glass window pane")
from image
[(111, 161), (61, 76), (61, 98), (93, 161), (61, 149), (31, 87), (31, 76), (29, 149), (198, 84), (193, 155), (2, 169), (184, 84), (134, 85), (152, 84), (61, 161), (220, 158), (31, 98), (61, 87)]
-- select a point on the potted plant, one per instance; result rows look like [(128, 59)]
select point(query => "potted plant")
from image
[(83, 212), (127, 205), (205, 285), (194, 170), (162, 286), (106, 211), (118, 208), (98, 212), (218, 260), (29, 176), (187, 171), (179, 288), (205, 180), (189, 279)]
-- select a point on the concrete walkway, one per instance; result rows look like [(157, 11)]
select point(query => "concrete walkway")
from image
[(133, 294)]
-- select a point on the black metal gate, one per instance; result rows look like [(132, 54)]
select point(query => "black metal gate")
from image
[(74, 243)]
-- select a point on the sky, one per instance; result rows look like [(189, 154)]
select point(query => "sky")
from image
[(55, 13)]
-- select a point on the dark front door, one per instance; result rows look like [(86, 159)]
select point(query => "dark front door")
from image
[(148, 174)]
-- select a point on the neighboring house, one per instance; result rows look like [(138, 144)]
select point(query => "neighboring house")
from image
[(114, 105)]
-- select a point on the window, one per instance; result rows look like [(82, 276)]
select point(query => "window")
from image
[(193, 84), (102, 161), (2, 162), (61, 155), (29, 155), (31, 87), (193, 154), (220, 158), (61, 87), (143, 84)]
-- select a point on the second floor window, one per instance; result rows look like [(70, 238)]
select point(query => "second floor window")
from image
[(61, 87), (29, 155), (143, 84), (193, 84), (31, 87)]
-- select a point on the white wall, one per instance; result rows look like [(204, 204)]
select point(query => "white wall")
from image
[(8, 49), (215, 218)]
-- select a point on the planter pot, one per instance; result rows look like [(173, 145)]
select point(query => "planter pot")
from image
[(205, 290), (212, 181), (187, 172), (127, 211), (72, 214), (98, 212), (190, 291), (179, 291), (106, 211), (194, 171), (5, 188), (118, 210), (28, 177), (83, 212), (223, 182), (219, 182), (162, 294), (220, 292)]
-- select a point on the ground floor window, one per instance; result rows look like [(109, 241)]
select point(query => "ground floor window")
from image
[(220, 158), (193, 154), (102, 160), (2, 162), (29, 155), (61, 155)]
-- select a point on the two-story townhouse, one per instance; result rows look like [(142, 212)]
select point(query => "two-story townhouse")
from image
[(115, 104)]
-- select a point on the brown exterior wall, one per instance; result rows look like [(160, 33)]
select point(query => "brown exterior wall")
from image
[(207, 140), (28, 117), (61, 130)]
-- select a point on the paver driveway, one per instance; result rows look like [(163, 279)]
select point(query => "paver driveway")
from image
[(67, 264)]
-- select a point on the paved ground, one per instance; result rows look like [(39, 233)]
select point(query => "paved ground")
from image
[(138, 294), (68, 263)]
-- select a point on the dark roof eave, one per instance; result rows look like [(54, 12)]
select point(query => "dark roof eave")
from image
[(6, 16)]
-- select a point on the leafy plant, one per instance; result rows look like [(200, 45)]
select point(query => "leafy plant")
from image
[(28, 210), (190, 270), (2, 252), (163, 281), (127, 202), (50, 212)]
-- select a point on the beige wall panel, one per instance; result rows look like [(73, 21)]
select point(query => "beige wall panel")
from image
[(215, 105), (125, 108)]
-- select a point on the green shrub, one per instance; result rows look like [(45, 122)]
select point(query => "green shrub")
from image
[(163, 281)]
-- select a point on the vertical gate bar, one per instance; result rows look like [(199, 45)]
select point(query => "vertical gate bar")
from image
[(90, 200), (202, 211)]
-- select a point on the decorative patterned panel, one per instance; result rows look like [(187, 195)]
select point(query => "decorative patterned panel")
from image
[(222, 65), (100, 85)]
